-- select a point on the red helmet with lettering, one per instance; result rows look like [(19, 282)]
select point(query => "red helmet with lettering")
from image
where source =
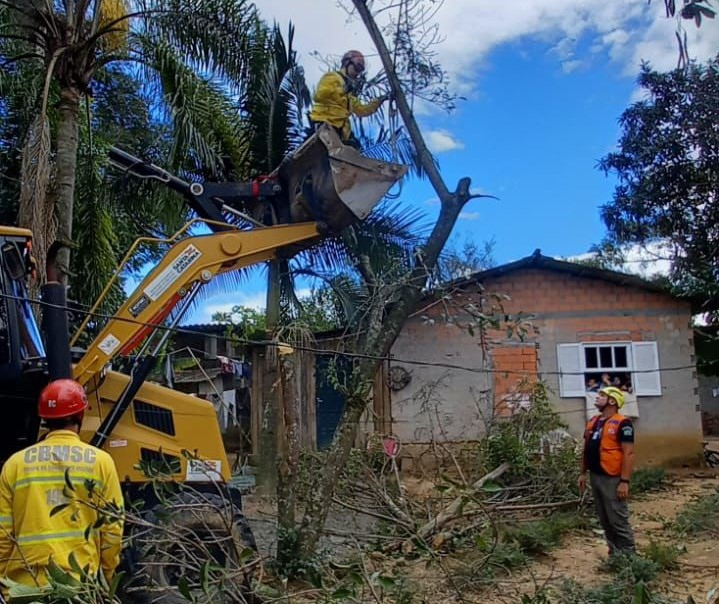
[(60, 399)]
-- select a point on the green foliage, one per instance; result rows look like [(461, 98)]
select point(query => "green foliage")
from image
[(541, 536), (247, 323), (76, 587), (630, 584), (667, 177), (572, 592), (519, 439), (632, 568), (313, 462), (458, 261), (645, 480), (699, 516), (507, 555), (317, 312), (663, 555), (490, 558), (353, 580)]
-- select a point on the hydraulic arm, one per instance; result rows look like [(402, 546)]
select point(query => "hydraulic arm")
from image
[(190, 262), (323, 187)]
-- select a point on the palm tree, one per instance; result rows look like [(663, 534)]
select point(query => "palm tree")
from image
[(178, 47)]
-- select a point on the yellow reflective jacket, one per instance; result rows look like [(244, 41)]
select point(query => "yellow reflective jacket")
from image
[(332, 103), (33, 482)]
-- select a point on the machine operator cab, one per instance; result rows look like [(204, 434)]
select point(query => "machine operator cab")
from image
[(22, 353)]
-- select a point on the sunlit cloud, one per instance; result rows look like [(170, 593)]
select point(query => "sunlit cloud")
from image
[(469, 215), (440, 141)]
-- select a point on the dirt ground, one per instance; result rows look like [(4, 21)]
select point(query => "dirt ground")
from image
[(579, 556), (582, 552)]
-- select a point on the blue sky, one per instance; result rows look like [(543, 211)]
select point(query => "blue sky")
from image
[(545, 82)]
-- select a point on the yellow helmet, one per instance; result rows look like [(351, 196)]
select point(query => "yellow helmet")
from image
[(615, 394)]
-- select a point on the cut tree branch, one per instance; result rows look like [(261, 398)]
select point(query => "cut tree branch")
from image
[(453, 510)]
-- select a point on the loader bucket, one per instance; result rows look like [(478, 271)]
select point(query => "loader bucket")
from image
[(330, 182)]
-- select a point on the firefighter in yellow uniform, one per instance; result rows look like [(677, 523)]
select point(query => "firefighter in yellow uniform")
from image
[(33, 483), (334, 100)]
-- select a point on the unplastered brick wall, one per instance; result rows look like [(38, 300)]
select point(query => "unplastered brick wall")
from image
[(544, 291), (515, 371)]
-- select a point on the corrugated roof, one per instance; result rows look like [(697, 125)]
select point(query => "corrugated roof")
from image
[(207, 327)]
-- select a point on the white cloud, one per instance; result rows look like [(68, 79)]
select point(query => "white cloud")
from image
[(571, 66), (440, 141), (469, 215), (628, 31), (645, 261), (225, 302)]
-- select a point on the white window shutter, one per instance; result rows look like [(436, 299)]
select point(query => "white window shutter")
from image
[(571, 378), (646, 377)]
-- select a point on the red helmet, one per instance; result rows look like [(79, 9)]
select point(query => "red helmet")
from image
[(61, 398)]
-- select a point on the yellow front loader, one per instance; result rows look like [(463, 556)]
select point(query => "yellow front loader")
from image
[(318, 191)]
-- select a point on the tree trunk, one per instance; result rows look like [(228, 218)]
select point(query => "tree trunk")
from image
[(320, 493), (288, 458), (379, 336), (267, 463), (65, 169)]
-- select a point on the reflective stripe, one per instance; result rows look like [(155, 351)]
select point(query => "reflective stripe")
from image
[(57, 479), (6, 520), (45, 537)]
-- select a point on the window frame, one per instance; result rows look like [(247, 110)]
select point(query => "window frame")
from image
[(644, 371), (601, 369)]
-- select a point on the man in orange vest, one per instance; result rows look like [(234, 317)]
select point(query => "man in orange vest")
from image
[(609, 458)]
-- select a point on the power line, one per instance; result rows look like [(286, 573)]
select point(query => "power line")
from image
[(329, 352)]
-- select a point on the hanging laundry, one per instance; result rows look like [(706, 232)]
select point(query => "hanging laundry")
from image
[(247, 370), (225, 364)]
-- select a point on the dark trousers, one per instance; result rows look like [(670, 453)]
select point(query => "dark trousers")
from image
[(613, 513)]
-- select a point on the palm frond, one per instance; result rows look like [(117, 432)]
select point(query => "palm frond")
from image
[(216, 35), (274, 102), (393, 145), (391, 232), (205, 128), (95, 261), (112, 16)]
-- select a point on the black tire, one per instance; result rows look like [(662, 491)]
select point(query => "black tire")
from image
[(178, 537)]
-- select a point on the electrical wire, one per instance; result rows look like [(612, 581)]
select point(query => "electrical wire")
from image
[(329, 352)]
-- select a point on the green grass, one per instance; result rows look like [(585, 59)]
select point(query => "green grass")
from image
[(541, 536), (664, 556), (646, 480), (699, 516)]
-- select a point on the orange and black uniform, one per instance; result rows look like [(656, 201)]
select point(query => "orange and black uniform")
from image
[(604, 438), (603, 455)]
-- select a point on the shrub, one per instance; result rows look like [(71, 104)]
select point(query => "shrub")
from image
[(540, 536), (632, 569), (664, 556), (645, 480), (699, 516)]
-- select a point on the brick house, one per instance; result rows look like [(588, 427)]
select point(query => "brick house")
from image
[(443, 383), (587, 322)]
